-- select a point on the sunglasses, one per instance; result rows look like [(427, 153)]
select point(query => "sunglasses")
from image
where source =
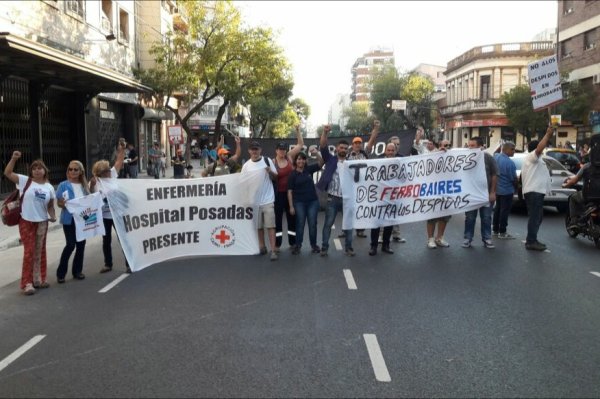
[(73, 169)]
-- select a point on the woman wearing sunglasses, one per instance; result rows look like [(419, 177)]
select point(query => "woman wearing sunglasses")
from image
[(74, 187)]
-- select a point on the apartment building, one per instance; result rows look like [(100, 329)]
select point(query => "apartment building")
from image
[(475, 80), (579, 54), (336, 111), (364, 67), (66, 84)]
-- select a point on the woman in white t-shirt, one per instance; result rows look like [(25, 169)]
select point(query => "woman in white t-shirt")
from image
[(75, 186), (36, 210), (103, 181)]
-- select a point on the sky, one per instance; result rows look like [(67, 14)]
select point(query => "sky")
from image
[(322, 39)]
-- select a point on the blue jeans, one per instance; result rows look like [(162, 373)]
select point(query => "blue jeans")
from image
[(535, 210), (501, 212), (72, 244), (334, 205), (306, 211), (485, 214)]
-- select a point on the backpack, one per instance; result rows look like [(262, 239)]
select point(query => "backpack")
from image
[(591, 183)]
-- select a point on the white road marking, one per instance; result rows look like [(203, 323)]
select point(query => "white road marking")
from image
[(350, 279), (24, 348), (111, 285), (379, 367), (337, 243), (595, 274)]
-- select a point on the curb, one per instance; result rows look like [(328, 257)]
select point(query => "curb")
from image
[(16, 241)]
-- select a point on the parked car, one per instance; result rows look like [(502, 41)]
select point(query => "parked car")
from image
[(569, 158), (558, 196)]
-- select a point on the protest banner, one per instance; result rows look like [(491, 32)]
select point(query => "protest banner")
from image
[(157, 220), (544, 82), (389, 191), (87, 214)]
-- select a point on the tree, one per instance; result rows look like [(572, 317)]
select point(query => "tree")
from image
[(386, 85), (267, 104), (578, 101), (517, 106), (360, 120), (193, 66), (285, 123), (417, 90)]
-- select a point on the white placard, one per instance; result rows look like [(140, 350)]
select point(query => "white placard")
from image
[(389, 191), (544, 82), (399, 105)]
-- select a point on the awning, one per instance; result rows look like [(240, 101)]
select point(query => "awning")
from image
[(28, 59), (156, 114)]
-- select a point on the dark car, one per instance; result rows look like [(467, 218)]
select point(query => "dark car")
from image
[(569, 158)]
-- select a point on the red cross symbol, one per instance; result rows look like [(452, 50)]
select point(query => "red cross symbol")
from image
[(222, 237)]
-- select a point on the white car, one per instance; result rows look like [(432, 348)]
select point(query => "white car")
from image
[(558, 196)]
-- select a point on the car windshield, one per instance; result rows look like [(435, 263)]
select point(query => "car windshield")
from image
[(553, 164), (564, 157)]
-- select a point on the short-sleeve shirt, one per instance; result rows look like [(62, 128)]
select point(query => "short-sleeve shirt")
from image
[(303, 185), (283, 175), (491, 169), (507, 173), (35, 202), (535, 175), (266, 190)]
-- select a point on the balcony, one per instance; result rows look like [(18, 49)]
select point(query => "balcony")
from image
[(523, 49), (180, 23), (475, 105)]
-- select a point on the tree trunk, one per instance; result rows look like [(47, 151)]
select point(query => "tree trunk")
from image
[(220, 114)]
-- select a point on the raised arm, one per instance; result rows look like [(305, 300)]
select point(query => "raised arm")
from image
[(374, 133), (10, 166), (120, 156), (238, 149), (544, 141), (323, 141), (299, 144)]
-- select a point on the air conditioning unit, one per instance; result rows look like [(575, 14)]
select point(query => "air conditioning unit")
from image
[(596, 79)]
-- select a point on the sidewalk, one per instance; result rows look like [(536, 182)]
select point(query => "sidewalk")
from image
[(10, 243)]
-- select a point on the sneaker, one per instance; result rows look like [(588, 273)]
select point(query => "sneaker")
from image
[(278, 249), (349, 252), (488, 244), (536, 246), (106, 269), (494, 234), (295, 250), (373, 251), (323, 252), (466, 244), (361, 233), (29, 290), (399, 239), (431, 243), (316, 249), (342, 235), (263, 251), (274, 255), (505, 236), (440, 242), (41, 285)]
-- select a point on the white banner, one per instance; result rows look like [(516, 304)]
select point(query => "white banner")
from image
[(388, 191), (544, 81), (87, 214), (157, 220)]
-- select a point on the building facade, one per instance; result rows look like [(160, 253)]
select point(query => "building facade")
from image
[(579, 55), (336, 111), (61, 65), (364, 67), (475, 80)]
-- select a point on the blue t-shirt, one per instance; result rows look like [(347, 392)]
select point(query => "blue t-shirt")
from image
[(303, 185), (507, 173)]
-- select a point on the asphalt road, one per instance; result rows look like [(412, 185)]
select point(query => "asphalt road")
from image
[(453, 322)]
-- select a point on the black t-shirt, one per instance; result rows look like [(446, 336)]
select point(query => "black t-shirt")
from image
[(303, 185), (132, 155)]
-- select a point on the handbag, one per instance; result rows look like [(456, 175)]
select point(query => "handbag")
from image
[(11, 207)]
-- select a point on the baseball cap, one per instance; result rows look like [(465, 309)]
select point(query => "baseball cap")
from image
[(356, 140), (222, 151), (281, 146), (254, 144)]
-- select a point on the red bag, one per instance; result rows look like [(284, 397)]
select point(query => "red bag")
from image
[(11, 207)]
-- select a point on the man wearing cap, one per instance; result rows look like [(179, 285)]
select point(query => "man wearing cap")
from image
[(357, 152), (225, 164), (266, 196), (178, 162)]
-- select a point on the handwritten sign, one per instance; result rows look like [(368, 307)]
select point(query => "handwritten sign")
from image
[(544, 82)]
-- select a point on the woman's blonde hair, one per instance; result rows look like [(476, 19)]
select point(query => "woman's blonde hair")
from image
[(41, 164), (82, 178), (100, 166)]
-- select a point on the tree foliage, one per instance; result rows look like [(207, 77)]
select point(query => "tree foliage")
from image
[(579, 102), (360, 120), (517, 106)]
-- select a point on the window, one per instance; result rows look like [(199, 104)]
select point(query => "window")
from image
[(589, 39), (75, 8), (123, 26), (567, 7), (566, 49), (106, 16), (484, 91)]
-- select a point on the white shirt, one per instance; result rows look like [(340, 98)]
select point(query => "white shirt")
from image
[(535, 174), (266, 192), (104, 186), (37, 197), (87, 214)]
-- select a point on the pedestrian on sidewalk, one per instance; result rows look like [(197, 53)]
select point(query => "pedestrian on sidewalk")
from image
[(104, 180), (37, 208), (75, 186)]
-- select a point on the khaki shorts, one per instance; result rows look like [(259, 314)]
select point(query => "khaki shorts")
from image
[(266, 216)]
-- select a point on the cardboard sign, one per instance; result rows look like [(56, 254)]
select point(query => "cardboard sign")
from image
[(544, 81)]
